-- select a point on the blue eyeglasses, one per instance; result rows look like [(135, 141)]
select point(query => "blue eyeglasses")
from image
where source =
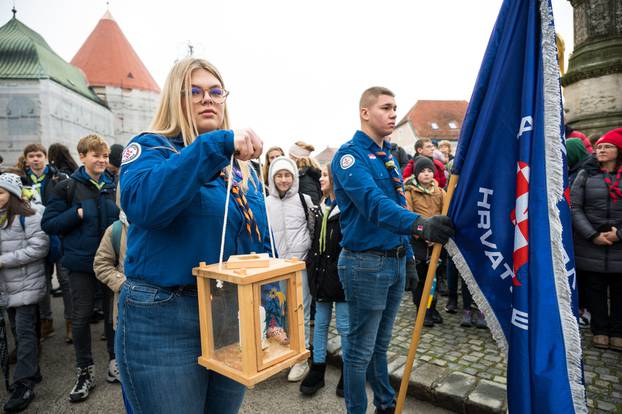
[(217, 94)]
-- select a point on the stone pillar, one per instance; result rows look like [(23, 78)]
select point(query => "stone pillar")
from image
[(593, 83)]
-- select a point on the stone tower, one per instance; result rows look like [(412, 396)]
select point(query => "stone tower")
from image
[(118, 76), (593, 83)]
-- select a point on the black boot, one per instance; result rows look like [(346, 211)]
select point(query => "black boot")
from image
[(428, 320), (339, 390), (314, 379), (20, 398)]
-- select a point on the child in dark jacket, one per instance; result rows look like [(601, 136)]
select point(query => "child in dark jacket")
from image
[(324, 284), (80, 211), (23, 247)]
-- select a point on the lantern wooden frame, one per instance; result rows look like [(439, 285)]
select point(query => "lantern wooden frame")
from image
[(254, 367)]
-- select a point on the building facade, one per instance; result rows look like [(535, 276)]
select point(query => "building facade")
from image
[(433, 119), (43, 99)]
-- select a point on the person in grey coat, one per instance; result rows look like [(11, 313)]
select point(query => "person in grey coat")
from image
[(596, 198), (292, 229), (23, 248)]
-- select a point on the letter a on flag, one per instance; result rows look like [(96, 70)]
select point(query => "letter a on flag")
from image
[(513, 243)]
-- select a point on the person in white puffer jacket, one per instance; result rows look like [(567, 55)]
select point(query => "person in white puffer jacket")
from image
[(23, 248), (291, 231)]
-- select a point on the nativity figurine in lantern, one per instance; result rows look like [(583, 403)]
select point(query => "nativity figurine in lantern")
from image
[(251, 316)]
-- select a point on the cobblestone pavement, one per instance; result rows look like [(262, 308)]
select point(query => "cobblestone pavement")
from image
[(463, 370), (276, 395)]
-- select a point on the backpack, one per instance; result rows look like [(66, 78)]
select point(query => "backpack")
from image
[(117, 226), (55, 251)]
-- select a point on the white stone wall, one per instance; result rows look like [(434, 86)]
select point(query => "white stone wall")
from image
[(133, 110), (591, 97), (20, 117), (404, 136), (42, 111)]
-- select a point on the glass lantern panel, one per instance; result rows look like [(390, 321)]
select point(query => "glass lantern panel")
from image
[(226, 323), (275, 322)]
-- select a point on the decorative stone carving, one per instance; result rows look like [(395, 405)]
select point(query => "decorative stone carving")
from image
[(593, 82)]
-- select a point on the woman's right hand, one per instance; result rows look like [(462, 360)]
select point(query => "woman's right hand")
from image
[(601, 240), (247, 144)]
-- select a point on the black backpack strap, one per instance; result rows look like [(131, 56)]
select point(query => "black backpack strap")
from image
[(304, 206), (70, 191)]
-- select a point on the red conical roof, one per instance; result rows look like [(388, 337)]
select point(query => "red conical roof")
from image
[(108, 59)]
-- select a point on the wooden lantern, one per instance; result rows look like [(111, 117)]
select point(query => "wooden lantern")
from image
[(251, 316)]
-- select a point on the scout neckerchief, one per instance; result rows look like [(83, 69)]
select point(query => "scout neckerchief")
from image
[(241, 202), (37, 181), (98, 184), (429, 190), (614, 188), (396, 179)]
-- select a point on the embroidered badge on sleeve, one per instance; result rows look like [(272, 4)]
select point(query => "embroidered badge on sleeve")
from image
[(131, 153), (346, 161)]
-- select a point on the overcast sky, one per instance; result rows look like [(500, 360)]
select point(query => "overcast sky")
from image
[(296, 69)]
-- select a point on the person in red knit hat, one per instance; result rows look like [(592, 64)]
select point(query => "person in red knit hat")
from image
[(583, 138), (612, 137), (596, 199)]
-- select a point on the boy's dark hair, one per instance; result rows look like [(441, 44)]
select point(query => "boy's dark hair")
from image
[(420, 142), (34, 148)]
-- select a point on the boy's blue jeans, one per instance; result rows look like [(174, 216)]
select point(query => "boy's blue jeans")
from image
[(323, 315), (373, 286), (157, 345)]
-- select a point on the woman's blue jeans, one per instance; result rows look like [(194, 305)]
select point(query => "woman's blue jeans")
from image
[(157, 344), (373, 286), (323, 315)]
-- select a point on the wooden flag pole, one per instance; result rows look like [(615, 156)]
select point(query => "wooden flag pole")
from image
[(436, 253)]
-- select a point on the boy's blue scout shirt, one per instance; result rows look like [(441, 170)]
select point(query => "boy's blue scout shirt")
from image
[(371, 217), (174, 198)]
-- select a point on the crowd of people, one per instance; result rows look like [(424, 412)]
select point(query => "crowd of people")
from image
[(365, 223)]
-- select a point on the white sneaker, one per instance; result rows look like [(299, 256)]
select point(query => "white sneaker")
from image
[(298, 371), (84, 384), (113, 372)]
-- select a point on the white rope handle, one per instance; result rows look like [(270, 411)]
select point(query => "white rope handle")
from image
[(228, 197), (265, 202), (224, 224)]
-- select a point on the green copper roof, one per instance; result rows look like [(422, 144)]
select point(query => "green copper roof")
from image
[(24, 54)]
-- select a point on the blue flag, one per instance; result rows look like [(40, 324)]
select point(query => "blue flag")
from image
[(513, 244)]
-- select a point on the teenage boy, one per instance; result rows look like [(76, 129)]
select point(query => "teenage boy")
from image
[(376, 228), (81, 210), (43, 178), (425, 148)]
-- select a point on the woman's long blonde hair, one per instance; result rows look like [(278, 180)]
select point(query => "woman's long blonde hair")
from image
[(174, 117)]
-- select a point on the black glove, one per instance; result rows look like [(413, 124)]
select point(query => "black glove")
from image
[(437, 229)]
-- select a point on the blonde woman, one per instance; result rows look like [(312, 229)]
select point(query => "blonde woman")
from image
[(173, 189)]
